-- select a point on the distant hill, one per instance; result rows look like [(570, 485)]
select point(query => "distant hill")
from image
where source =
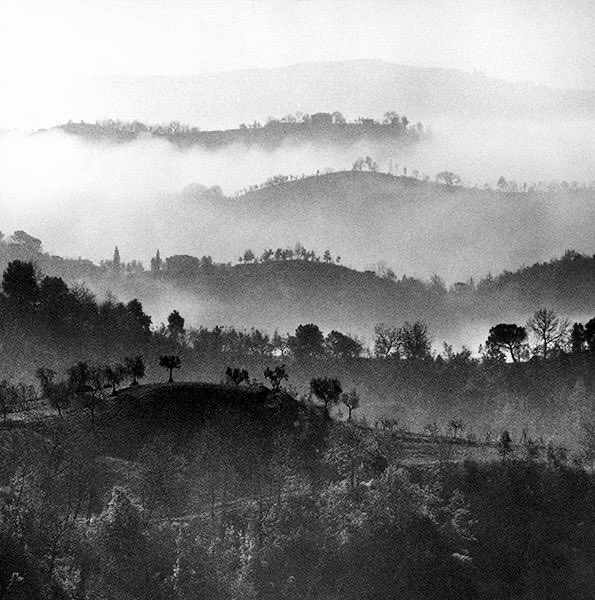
[(268, 137), (357, 87), (419, 228)]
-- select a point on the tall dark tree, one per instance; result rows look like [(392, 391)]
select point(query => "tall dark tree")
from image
[(343, 346), (351, 401), (307, 342), (175, 325), (19, 284), (590, 334), (170, 362), (508, 337), (578, 338), (135, 309), (276, 376), (135, 367), (415, 341), (326, 389), (116, 263)]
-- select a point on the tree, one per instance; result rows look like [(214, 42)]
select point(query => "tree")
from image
[(114, 375), (343, 346), (590, 334), (358, 165), (578, 338), (175, 325), (170, 362), (351, 401), (19, 283), (449, 178), (415, 341), (338, 118), (307, 341), (548, 330), (386, 341), (249, 256), (276, 376), (327, 390), (59, 394), (135, 310), (116, 263), (504, 445), (509, 337), (327, 258), (156, 263), (390, 118), (135, 367), (121, 549), (87, 383)]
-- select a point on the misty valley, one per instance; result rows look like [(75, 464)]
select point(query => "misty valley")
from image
[(312, 357)]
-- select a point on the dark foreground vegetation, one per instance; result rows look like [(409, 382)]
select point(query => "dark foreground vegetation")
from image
[(188, 491), (306, 469)]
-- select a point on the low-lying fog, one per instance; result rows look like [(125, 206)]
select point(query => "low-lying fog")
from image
[(82, 199)]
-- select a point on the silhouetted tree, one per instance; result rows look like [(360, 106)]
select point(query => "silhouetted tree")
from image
[(19, 284), (510, 337), (170, 362), (549, 330), (156, 263), (338, 118), (135, 309), (175, 325), (590, 334), (415, 341), (342, 346), (307, 341), (116, 262), (327, 390), (351, 401), (578, 338), (276, 376), (135, 367), (504, 445), (114, 375), (449, 178), (386, 340)]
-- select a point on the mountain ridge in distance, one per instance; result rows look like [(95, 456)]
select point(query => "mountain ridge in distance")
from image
[(355, 87)]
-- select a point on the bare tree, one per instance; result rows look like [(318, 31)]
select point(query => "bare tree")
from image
[(549, 331), (387, 339)]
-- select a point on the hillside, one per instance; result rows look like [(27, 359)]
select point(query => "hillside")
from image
[(281, 294), (356, 87), (418, 228)]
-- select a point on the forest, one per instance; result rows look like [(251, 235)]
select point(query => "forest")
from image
[(298, 466)]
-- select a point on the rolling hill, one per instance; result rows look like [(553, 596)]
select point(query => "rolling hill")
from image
[(356, 87)]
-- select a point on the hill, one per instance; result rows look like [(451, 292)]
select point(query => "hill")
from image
[(419, 228), (281, 294), (268, 137), (356, 87)]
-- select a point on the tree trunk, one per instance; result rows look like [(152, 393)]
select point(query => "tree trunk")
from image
[(171, 378)]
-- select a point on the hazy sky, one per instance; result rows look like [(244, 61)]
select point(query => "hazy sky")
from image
[(546, 41)]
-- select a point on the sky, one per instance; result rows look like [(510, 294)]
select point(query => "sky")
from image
[(548, 42)]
